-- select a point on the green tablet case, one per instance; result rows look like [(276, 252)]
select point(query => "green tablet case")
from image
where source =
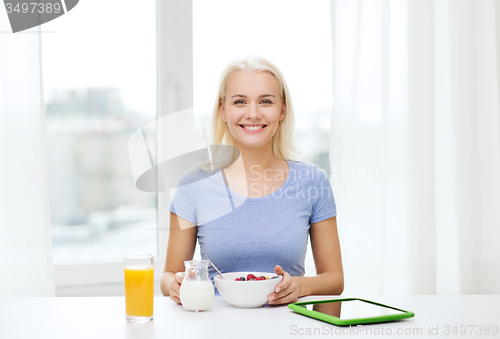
[(297, 307)]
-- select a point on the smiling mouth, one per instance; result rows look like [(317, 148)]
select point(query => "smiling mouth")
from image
[(253, 127)]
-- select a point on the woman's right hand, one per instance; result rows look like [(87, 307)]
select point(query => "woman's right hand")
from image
[(175, 287)]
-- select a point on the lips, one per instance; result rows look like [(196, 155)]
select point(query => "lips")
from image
[(253, 128)]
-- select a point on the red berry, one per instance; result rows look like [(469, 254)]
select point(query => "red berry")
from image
[(250, 276), (260, 278), (237, 279)]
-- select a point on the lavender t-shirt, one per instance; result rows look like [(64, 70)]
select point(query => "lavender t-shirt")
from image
[(255, 234)]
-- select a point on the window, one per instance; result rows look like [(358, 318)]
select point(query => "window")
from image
[(100, 86)]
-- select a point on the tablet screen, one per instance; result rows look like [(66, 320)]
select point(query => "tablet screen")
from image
[(352, 309)]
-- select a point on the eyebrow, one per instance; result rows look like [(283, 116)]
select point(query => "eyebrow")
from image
[(262, 96)]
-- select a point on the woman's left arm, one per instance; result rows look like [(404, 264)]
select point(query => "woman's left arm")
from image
[(329, 277)]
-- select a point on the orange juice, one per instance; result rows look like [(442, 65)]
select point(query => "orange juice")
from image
[(139, 283)]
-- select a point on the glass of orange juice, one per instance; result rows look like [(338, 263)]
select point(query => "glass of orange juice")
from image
[(139, 287)]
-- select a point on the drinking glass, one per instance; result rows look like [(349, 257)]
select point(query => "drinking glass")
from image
[(139, 287)]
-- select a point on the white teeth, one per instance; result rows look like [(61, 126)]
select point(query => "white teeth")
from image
[(252, 128)]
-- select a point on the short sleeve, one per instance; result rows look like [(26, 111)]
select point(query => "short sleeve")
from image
[(185, 198), (324, 205)]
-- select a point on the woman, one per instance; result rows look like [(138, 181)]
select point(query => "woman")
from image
[(274, 203)]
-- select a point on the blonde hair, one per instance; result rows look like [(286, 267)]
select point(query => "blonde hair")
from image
[(284, 145)]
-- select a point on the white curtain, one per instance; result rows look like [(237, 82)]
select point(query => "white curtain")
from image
[(25, 239), (415, 145)]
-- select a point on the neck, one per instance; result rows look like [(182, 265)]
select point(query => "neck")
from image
[(255, 159)]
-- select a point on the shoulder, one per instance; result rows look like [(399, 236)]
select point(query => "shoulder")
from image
[(192, 175), (187, 187), (306, 171)]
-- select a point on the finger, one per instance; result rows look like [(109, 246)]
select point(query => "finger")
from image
[(174, 288), (284, 284), (176, 299), (290, 297), (278, 270), (173, 292), (174, 284), (276, 299), (179, 276), (284, 291), (174, 295)]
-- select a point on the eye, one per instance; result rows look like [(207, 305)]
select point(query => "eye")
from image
[(265, 101), (239, 102)]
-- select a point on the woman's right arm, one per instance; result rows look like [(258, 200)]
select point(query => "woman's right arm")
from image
[(181, 246)]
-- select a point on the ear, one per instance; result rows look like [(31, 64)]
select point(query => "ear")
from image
[(283, 111), (222, 112)]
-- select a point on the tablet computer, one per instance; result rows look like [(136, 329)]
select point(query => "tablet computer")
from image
[(350, 311)]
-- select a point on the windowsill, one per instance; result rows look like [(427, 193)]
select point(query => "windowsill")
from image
[(95, 274), (101, 290)]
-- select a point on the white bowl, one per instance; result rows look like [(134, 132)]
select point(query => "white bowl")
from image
[(246, 294)]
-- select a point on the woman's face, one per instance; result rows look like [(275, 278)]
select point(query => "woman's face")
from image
[(253, 108)]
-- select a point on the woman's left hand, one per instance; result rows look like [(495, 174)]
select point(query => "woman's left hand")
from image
[(287, 291)]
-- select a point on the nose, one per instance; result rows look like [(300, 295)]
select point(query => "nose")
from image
[(253, 112)]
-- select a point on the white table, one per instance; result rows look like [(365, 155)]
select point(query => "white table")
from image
[(104, 317)]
